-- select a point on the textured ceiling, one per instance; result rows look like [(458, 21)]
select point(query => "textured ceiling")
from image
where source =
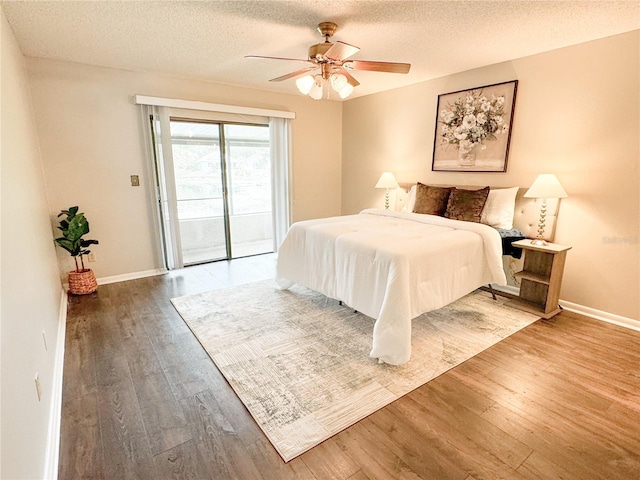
[(208, 39)]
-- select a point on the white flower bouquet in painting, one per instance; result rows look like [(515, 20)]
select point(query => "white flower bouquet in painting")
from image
[(471, 120)]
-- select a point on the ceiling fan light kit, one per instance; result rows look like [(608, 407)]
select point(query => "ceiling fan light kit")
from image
[(331, 59), (315, 86)]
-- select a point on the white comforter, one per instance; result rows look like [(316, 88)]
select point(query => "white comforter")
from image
[(391, 266)]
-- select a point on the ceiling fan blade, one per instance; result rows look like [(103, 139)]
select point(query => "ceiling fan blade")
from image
[(293, 74), (389, 67), (279, 58), (350, 79), (340, 51)]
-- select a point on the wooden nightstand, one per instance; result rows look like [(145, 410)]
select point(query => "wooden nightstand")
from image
[(541, 278)]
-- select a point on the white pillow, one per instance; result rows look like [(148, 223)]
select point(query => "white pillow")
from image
[(410, 200), (499, 209)]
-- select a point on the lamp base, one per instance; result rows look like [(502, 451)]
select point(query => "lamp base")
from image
[(541, 242)]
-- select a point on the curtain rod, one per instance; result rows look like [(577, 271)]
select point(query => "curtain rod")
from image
[(210, 107)]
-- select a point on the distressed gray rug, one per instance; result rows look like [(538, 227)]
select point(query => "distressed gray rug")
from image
[(300, 362)]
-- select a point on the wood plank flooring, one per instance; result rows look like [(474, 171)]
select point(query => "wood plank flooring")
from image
[(142, 400)]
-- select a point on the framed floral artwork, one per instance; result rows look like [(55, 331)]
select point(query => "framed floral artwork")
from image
[(473, 129)]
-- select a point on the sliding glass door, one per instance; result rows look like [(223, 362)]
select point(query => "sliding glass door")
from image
[(249, 179), (223, 189)]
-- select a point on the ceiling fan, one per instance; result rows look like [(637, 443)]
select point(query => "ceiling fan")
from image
[(332, 61)]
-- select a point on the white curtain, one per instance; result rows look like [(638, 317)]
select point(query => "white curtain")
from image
[(158, 139), (280, 144)]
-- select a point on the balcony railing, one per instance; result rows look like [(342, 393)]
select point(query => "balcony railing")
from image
[(203, 239)]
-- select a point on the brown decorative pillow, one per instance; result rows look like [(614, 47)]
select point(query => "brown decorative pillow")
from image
[(431, 200), (466, 205)]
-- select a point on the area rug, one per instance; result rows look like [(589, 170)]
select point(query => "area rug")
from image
[(300, 361)]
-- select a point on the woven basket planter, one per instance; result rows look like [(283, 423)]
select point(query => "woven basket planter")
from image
[(83, 282)]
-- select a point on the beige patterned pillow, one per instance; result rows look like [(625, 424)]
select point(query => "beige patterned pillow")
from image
[(466, 205), (431, 200)]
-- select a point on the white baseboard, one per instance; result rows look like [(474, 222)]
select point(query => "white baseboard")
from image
[(506, 288), (124, 277), (53, 441), (619, 320), (130, 276)]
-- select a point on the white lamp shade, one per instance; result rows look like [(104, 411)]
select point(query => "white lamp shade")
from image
[(304, 84), (346, 91), (316, 90), (387, 180), (338, 81), (546, 186)]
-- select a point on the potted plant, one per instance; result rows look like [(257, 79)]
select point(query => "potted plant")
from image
[(74, 226)]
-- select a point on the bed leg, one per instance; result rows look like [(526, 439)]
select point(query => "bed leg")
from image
[(340, 303), (493, 294)]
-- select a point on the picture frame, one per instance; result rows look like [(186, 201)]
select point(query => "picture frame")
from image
[(473, 129)]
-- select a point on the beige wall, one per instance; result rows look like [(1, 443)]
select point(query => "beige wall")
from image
[(31, 291), (577, 115), (91, 143)]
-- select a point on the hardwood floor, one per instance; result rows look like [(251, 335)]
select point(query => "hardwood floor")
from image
[(142, 399)]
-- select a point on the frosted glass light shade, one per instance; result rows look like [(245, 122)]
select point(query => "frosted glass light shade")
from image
[(546, 186), (304, 84), (316, 90), (338, 81), (387, 180), (346, 91)]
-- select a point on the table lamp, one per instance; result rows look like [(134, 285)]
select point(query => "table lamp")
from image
[(387, 180), (545, 186)]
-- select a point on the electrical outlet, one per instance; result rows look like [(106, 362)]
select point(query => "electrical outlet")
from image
[(135, 181), (38, 387), (92, 257)]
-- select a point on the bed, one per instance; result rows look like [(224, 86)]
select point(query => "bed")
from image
[(392, 266)]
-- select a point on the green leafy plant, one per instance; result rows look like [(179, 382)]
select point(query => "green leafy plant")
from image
[(74, 227)]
